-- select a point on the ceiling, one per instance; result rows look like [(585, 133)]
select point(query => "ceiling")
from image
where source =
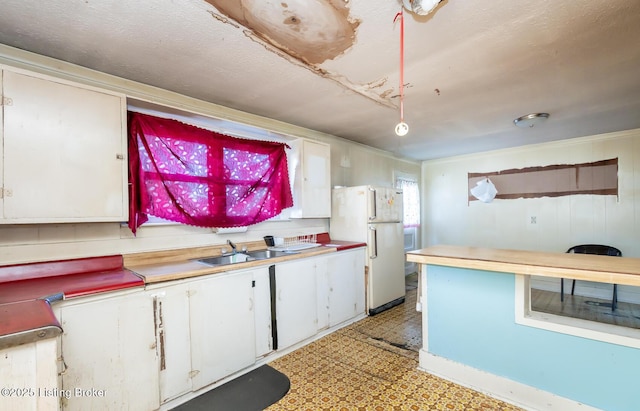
[(470, 67)]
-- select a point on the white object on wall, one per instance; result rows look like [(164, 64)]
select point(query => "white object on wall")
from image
[(484, 191)]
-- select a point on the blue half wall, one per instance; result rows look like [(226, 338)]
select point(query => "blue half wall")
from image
[(471, 320)]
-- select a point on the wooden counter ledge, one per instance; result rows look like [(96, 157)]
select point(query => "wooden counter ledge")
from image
[(605, 269), (170, 265)]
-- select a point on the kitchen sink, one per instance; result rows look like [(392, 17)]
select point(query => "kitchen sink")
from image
[(227, 259), (243, 257), (264, 254)]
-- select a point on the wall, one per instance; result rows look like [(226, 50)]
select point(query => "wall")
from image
[(449, 218), (471, 321), (27, 243), (560, 222)]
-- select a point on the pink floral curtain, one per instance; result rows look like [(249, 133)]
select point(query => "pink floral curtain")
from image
[(198, 177), (410, 201)]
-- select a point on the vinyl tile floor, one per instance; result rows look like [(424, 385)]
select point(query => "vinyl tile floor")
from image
[(372, 365)]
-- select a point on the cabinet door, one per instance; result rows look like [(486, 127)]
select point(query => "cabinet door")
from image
[(346, 285), (64, 154), (296, 305), (222, 326), (322, 281), (312, 181), (30, 368), (262, 311), (2, 104), (173, 347), (108, 348)]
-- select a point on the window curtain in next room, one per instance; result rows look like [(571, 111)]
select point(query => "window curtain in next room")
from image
[(410, 201), (198, 177)]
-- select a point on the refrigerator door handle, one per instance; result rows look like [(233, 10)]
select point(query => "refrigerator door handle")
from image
[(374, 247), (374, 210)]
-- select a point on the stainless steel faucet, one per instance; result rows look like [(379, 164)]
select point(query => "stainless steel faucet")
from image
[(233, 247)]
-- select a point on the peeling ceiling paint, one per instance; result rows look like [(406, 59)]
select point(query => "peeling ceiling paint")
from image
[(305, 32), (471, 67), (312, 31)]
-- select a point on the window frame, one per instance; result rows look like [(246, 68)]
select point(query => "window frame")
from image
[(594, 330), (218, 125)]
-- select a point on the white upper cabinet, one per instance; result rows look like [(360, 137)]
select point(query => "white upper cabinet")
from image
[(311, 164), (63, 151)]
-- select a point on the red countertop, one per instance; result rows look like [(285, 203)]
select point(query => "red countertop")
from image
[(23, 288), (27, 321), (340, 245), (71, 286), (24, 311)]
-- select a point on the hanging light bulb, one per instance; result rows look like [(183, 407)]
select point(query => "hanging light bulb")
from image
[(402, 128), (421, 7)]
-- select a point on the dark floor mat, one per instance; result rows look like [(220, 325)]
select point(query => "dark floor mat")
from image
[(255, 390)]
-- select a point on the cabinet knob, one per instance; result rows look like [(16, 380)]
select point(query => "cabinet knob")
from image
[(119, 157)]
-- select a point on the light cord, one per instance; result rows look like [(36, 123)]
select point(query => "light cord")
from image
[(402, 128)]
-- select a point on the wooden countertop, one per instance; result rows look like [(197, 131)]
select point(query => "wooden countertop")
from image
[(605, 269), (180, 264), (25, 311)]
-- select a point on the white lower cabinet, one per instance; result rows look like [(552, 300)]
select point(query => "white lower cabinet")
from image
[(295, 301), (322, 281), (222, 326), (173, 344), (29, 371), (138, 349), (341, 287), (262, 312), (208, 328), (346, 285), (108, 359), (316, 293)]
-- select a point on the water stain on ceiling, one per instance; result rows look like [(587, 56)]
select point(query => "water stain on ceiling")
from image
[(312, 31), (305, 32)]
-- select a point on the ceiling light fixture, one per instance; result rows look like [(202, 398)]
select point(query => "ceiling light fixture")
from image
[(530, 120), (402, 128), (421, 7)]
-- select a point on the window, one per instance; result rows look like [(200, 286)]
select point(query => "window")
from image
[(411, 216), (526, 314), (410, 201), (194, 176)]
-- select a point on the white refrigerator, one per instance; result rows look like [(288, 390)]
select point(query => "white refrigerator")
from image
[(374, 215)]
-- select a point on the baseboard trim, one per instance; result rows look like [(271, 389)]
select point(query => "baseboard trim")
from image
[(504, 389)]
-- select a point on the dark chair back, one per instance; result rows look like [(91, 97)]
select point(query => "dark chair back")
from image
[(598, 249), (595, 249)]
